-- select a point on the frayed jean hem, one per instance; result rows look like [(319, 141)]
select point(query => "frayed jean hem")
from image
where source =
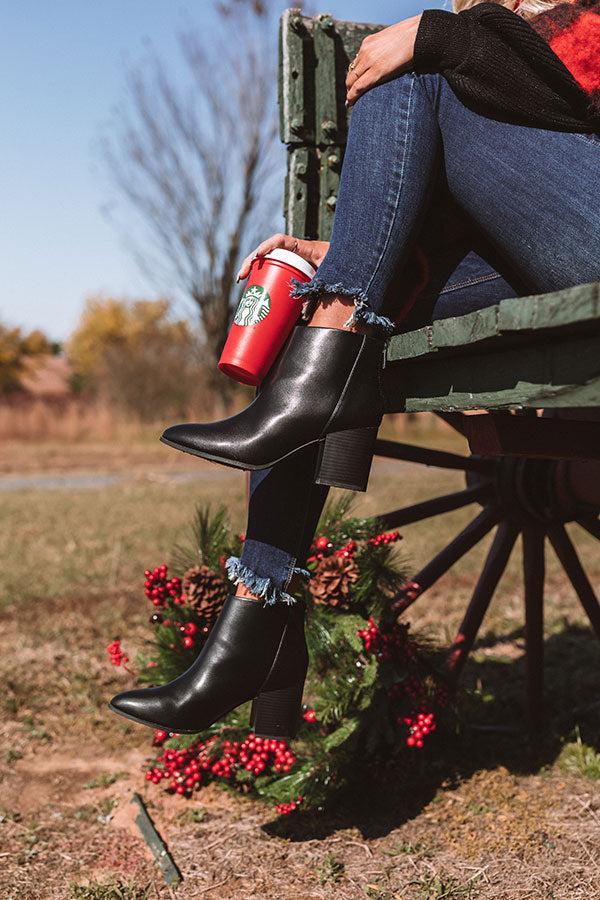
[(312, 291), (264, 587)]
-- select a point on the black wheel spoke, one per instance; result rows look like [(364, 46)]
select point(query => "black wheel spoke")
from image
[(591, 525), (570, 562), (533, 574), (427, 457), (435, 506), (495, 564), (461, 544)]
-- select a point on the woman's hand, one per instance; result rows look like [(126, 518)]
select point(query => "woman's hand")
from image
[(381, 56), (312, 251)]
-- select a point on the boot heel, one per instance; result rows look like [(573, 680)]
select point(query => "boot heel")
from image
[(345, 458), (276, 714)]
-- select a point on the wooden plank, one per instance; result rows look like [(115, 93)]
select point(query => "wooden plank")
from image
[(301, 187), (314, 54), (330, 160), (306, 88), (167, 864), (327, 121), (559, 373), (296, 78), (574, 309)]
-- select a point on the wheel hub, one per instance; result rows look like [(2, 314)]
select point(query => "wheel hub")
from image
[(539, 489)]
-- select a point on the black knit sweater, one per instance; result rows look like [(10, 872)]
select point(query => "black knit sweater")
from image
[(500, 67)]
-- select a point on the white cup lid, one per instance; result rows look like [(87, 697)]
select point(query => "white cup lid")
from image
[(292, 259)]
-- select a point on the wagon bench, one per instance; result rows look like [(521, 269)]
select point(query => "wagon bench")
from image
[(528, 473)]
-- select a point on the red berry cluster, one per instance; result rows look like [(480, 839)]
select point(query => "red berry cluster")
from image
[(411, 590), (222, 766), (386, 643), (309, 715), (189, 630), (257, 754), (116, 655), (386, 537), (160, 589), (323, 546), (373, 640), (180, 768), (348, 550), (419, 727), (320, 548), (284, 809), (184, 771)]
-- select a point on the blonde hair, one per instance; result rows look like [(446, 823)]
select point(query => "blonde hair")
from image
[(526, 8)]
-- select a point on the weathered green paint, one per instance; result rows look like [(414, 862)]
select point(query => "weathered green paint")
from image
[(301, 183), (314, 56), (540, 373), (515, 319), (327, 122), (296, 79), (159, 849)]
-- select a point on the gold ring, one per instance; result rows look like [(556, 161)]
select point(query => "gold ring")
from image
[(352, 64), (295, 247)]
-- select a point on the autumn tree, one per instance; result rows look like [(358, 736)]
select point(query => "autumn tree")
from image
[(136, 356), (16, 349), (194, 158)]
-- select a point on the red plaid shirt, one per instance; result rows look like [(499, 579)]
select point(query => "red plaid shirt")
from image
[(573, 32)]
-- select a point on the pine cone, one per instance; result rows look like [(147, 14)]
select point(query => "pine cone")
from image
[(207, 591), (332, 582)]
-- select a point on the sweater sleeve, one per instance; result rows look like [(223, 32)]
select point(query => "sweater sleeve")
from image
[(442, 41), (500, 67)]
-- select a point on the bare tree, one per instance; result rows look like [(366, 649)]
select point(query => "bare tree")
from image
[(193, 153)]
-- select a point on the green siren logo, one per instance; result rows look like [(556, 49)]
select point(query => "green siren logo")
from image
[(253, 307)]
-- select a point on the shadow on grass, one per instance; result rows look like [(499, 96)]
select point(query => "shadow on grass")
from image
[(492, 731)]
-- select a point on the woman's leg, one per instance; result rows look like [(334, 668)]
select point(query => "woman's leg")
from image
[(391, 165), (283, 511), (534, 196)]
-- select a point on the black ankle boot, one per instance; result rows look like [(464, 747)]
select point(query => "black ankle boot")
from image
[(254, 652), (325, 383)]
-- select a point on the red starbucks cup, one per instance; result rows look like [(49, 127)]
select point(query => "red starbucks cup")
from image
[(265, 316)]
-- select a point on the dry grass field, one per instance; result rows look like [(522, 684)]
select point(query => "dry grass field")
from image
[(485, 815)]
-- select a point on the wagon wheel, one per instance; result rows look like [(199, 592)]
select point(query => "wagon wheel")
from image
[(517, 496)]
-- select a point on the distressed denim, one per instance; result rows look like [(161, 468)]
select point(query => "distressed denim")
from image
[(283, 510), (440, 211)]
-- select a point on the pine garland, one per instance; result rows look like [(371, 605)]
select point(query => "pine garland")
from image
[(373, 688)]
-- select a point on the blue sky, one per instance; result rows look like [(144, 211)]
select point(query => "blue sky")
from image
[(62, 66)]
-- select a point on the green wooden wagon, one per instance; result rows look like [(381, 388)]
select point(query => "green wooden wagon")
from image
[(529, 472)]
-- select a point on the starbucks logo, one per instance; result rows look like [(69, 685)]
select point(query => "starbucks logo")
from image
[(253, 307)]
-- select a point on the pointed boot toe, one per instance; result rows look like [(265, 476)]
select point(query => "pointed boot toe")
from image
[(180, 436), (145, 706)]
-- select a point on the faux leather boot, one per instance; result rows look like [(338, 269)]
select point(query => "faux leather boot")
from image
[(324, 387), (254, 652)]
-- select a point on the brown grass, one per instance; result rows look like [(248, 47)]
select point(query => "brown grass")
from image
[(71, 419)]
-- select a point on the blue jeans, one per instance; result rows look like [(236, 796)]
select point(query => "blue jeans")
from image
[(440, 211)]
